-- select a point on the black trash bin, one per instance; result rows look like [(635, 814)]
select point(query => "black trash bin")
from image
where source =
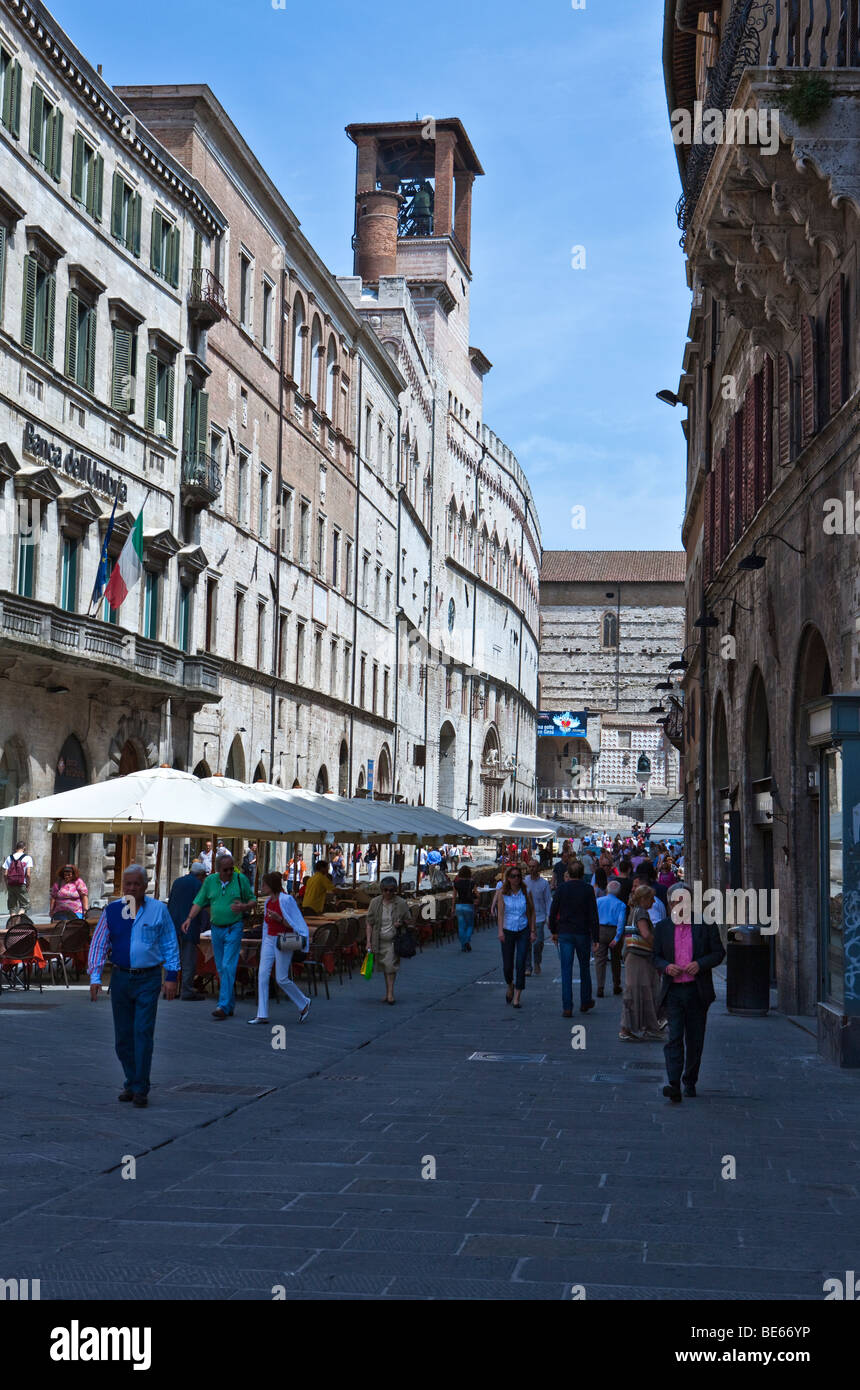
[(747, 972)]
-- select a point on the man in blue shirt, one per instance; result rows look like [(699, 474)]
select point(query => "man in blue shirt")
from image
[(182, 895), (140, 935), (611, 914)]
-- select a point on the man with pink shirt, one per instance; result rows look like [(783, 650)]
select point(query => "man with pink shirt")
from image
[(685, 953)]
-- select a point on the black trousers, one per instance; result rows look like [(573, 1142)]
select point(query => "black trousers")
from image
[(188, 961), (686, 1016)]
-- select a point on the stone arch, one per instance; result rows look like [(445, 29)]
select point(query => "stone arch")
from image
[(360, 784), (758, 784), (133, 729), (298, 341), (71, 770), (343, 769), (202, 769), (447, 767), (235, 766), (14, 788), (383, 771), (316, 362), (331, 374), (491, 776), (259, 773), (322, 779)]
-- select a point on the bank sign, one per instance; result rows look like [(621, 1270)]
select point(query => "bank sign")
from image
[(569, 724), (83, 467)]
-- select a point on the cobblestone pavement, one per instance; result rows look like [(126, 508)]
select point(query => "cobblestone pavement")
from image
[(303, 1168)]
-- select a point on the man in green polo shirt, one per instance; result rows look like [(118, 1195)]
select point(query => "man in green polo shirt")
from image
[(229, 897)]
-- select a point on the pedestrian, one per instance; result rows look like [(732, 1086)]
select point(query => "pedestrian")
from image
[(639, 1017), (465, 902), (17, 871), (338, 867), (625, 879), (249, 864), (598, 882), (516, 929), (560, 868), (538, 890), (281, 914), (228, 896), (575, 928), (685, 953), (387, 916), (139, 934), (183, 891), (612, 916), (296, 869), (371, 859), (69, 895), (317, 888), (205, 856)]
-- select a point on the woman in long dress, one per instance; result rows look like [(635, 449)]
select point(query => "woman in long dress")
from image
[(639, 1021)]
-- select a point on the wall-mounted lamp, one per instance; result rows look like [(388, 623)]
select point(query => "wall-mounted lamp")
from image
[(754, 561), (668, 398)]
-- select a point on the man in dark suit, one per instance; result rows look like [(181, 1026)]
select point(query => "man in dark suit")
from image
[(182, 895), (574, 925), (685, 953)]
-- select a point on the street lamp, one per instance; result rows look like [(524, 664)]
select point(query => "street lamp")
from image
[(754, 561)]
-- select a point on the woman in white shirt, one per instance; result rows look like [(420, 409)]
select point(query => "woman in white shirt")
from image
[(281, 913)]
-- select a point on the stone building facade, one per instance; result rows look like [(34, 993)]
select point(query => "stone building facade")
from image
[(770, 381), (611, 622)]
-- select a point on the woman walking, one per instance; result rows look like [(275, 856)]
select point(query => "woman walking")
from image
[(465, 902), (387, 915), (69, 895), (281, 913), (371, 859), (516, 930), (639, 1020)]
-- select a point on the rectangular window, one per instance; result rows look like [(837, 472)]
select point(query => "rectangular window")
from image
[(80, 341), (320, 566), (245, 270), (374, 687), (282, 643), (125, 214), (386, 681), (300, 653), (151, 595), (261, 635), (242, 488), (216, 451), (124, 370), (365, 572), (377, 590), (285, 521), (347, 671), (159, 397), (348, 567), (69, 578), (25, 583), (305, 532), (362, 679), (164, 248), (10, 93), (388, 578), (332, 674), (211, 614), (335, 558), (185, 593), (46, 132), (464, 697), (268, 298), (37, 309), (263, 506), (368, 421), (88, 169), (318, 649), (239, 626)]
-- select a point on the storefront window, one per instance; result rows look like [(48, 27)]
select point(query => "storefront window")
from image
[(832, 956)]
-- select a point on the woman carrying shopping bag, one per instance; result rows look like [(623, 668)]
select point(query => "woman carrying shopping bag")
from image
[(387, 917), (281, 915)]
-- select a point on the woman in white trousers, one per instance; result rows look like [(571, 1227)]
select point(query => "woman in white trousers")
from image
[(281, 913)]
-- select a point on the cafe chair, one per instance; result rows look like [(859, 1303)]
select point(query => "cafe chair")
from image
[(51, 945), (20, 955)]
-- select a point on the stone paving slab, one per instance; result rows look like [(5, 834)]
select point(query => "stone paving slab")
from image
[(570, 1170)]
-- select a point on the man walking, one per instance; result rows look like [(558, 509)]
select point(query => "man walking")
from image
[(249, 864), (574, 925), (539, 891), (560, 869), (17, 868), (228, 896), (182, 895), (140, 935), (685, 953), (206, 857), (612, 914)]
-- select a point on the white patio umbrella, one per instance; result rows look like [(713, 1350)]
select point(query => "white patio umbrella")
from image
[(519, 827)]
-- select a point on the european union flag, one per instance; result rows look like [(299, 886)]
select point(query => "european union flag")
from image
[(102, 571)]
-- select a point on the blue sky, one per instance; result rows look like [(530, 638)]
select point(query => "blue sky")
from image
[(567, 113)]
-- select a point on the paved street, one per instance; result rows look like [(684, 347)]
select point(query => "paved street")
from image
[(302, 1168)]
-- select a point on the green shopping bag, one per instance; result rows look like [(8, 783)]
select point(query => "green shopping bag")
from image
[(367, 965)]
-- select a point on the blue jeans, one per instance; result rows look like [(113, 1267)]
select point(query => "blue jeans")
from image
[(580, 942), (515, 947), (225, 948), (134, 1000), (465, 922)]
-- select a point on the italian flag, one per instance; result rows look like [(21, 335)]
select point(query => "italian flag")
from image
[(128, 567)]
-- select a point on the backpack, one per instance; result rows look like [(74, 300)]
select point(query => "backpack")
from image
[(16, 873)]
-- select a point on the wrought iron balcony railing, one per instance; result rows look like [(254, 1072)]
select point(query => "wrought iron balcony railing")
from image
[(201, 477), (206, 300), (782, 34)]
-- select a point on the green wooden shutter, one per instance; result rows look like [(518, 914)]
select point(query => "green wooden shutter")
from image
[(2, 264), (136, 205), (55, 158), (121, 369), (28, 304), (169, 393), (202, 422), (50, 316), (37, 102), (155, 245), (197, 254), (72, 335), (187, 438), (78, 167), (92, 320), (116, 207), (97, 187), (173, 257), (14, 121), (150, 391)]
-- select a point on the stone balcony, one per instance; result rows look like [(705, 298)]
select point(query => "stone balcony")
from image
[(206, 302), (34, 632), (201, 480)]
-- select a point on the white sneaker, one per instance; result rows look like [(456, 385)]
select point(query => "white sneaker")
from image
[(258, 1020), (305, 1011)]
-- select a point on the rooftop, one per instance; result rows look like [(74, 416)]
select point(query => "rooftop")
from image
[(613, 567)]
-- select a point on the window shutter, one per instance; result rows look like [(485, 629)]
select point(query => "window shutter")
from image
[(97, 188), (836, 349), (767, 429), (2, 263), (708, 534), (121, 369), (50, 314), (150, 391), (37, 101), (155, 244), (71, 335), (807, 378), (730, 477), (173, 253), (92, 320), (136, 204), (783, 410), (15, 99), (55, 162), (724, 500), (116, 207), (169, 393), (748, 460), (757, 461), (78, 167), (187, 441), (197, 254), (202, 421)]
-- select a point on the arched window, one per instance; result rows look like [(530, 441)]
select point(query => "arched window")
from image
[(331, 381), (298, 341), (316, 353), (609, 635)]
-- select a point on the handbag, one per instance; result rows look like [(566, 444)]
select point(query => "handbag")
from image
[(404, 944), (367, 965), (291, 941)]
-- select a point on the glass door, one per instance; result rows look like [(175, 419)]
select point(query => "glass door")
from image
[(832, 954)]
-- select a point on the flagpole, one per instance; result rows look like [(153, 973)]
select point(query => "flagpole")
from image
[(96, 598)]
